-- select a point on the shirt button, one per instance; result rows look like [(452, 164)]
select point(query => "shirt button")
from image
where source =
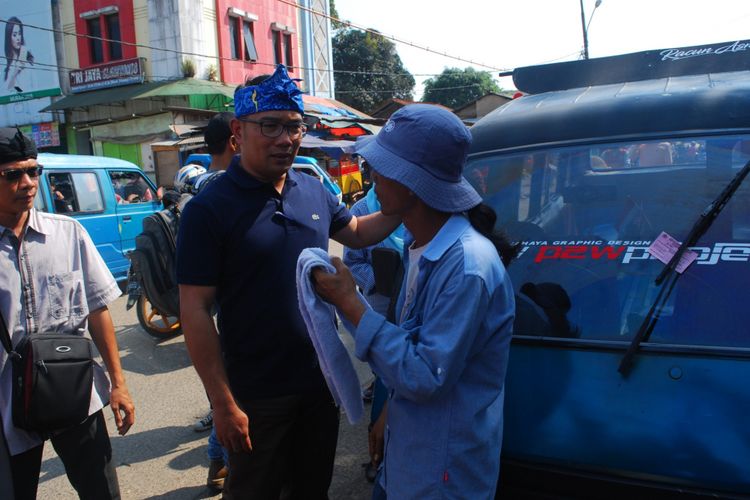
[(26, 287)]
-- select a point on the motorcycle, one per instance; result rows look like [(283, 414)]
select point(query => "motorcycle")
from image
[(151, 320)]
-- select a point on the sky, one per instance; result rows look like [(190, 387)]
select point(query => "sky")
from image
[(506, 35)]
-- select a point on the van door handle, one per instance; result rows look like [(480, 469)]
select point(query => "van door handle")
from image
[(126, 218)]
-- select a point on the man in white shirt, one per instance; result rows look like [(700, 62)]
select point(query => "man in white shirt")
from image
[(52, 279)]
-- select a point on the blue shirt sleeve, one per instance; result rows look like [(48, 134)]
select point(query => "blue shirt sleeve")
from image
[(425, 356), (359, 261), (198, 246), (340, 215)]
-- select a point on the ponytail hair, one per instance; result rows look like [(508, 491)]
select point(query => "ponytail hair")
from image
[(483, 218)]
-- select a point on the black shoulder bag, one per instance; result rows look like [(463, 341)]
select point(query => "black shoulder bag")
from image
[(52, 377)]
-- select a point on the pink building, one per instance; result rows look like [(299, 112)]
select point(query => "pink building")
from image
[(110, 19), (254, 36)]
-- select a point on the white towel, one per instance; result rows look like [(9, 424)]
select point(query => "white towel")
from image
[(319, 316)]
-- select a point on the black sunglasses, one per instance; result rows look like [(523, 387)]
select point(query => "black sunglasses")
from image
[(15, 174)]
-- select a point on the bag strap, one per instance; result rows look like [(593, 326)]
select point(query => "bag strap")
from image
[(5, 338)]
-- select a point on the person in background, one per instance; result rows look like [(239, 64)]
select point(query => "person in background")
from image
[(237, 250), (444, 360), (37, 250)]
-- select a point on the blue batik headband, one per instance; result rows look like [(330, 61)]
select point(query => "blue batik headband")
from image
[(276, 93)]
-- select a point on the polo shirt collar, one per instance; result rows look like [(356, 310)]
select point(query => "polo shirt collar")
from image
[(244, 180), (446, 237)]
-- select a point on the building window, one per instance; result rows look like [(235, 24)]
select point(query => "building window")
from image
[(288, 50), (103, 23), (95, 44), (241, 34), (234, 37), (277, 47), (251, 54), (113, 33)]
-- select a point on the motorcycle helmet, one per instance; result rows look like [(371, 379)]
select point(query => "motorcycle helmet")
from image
[(186, 176), (204, 180)]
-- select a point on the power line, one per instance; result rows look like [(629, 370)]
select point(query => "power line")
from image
[(53, 68), (577, 52), (391, 37), (205, 56), (363, 91), (48, 67)]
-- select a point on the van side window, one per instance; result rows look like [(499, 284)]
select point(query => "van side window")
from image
[(76, 192), (131, 187)]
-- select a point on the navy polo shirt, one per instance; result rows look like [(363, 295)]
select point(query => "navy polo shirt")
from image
[(243, 237)]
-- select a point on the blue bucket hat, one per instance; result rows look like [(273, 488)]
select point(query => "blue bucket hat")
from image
[(424, 147), (276, 93)]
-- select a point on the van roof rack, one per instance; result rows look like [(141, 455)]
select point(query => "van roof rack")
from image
[(638, 66)]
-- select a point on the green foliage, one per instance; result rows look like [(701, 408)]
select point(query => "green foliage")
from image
[(355, 50), (188, 68), (334, 13), (473, 84)]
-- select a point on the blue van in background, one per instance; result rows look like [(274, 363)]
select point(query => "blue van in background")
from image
[(108, 196)]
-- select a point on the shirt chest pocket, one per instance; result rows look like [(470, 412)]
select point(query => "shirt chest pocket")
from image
[(67, 297)]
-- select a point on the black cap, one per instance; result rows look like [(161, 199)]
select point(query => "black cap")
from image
[(14, 146), (218, 131)]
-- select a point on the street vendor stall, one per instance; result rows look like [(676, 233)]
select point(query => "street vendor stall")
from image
[(330, 139)]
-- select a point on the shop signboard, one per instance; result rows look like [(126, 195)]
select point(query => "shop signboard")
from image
[(45, 135), (28, 68), (112, 74)]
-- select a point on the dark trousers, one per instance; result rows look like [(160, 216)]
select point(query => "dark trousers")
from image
[(294, 446), (85, 452)]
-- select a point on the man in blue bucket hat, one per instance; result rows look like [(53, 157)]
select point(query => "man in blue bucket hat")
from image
[(444, 360), (237, 248)]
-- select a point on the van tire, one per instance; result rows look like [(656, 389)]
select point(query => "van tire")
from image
[(154, 323)]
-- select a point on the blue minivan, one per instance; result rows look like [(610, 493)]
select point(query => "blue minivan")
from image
[(619, 384), (108, 196)]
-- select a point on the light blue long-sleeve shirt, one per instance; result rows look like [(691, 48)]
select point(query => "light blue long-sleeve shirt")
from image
[(445, 367)]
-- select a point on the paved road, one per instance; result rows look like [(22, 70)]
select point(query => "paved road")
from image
[(162, 457)]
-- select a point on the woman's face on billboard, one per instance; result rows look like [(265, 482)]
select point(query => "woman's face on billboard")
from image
[(16, 37)]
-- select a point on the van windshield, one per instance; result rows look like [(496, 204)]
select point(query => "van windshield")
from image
[(586, 215)]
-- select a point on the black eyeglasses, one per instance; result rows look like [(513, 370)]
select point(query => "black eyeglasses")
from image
[(15, 174), (270, 129)]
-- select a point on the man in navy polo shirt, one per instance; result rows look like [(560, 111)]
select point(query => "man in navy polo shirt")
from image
[(238, 246)]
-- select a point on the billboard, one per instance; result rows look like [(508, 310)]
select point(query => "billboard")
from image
[(28, 64)]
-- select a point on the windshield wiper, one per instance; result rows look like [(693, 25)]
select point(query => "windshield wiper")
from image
[(704, 222)]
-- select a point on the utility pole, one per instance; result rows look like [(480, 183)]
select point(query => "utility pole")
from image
[(585, 34), (585, 27)]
